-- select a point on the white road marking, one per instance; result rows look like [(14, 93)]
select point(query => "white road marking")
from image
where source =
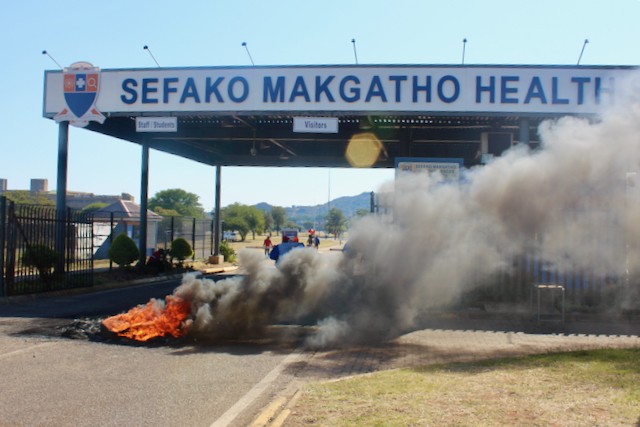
[(255, 392)]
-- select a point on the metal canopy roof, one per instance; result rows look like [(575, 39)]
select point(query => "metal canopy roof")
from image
[(269, 140)]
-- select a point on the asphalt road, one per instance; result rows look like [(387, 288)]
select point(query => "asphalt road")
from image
[(50, 379)]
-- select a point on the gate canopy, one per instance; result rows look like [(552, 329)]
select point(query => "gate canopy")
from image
[(307, 115)]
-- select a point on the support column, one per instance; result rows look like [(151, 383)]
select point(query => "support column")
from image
[(523, 131), (3, 227), (217, 258), (61, 196), (144, 202)]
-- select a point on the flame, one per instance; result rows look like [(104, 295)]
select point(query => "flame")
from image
[(152, 320)]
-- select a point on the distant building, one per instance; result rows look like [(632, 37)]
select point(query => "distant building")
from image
[(75, 199), (80, 200), (39, 185)]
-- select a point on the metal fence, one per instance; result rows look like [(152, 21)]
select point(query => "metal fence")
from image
[(161, 232), (198, 232), (42, 249)]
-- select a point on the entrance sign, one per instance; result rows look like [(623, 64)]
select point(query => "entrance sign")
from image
[(156, 124), (449, 168), (433, 89), (315, 124)]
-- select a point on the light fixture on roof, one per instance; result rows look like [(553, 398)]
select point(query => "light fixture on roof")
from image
[(248, 53), (582, 51), (44, 52), (152, 57), (464, 45), (355, 54)]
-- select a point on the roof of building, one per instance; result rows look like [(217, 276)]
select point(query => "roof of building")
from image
[(124, 209)]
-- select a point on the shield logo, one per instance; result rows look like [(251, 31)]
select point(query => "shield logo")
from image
[(81, 85)]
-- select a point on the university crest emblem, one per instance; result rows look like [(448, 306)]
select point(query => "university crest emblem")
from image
[(81, 83)]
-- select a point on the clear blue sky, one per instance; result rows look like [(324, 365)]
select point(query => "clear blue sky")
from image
[(210, 33)]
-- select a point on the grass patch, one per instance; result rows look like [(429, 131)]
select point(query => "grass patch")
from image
[(599, 387)]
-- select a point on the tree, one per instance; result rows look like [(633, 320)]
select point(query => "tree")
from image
[(165, 212), (24, 197), (178, 200), (268, 220), (255, 220), (243, 218), (93, 207), (279, 215), (336, 222)]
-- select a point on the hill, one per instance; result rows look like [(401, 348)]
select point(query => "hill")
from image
[(349, 205)]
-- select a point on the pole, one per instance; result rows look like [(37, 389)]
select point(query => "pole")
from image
[(144, 203), (216, 250), (61, 195), (3, 225)]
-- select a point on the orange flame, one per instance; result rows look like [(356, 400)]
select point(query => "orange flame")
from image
[(142, 323)]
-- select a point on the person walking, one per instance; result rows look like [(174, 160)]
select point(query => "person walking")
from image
[(267, 246)]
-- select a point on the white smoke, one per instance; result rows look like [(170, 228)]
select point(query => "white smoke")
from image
[(573, 203)]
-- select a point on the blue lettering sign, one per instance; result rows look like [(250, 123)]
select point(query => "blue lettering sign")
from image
[(323, 87), (580, 81), (355, 91), (271, 93), (128, 86), (535, 91), (190, 91), (398, 80), (491, 88), (505, 89), (244, 89), (600, 89), (554, 93), (375, 89), (456, 89), (212, 89), (417, 88), (148, 87), (299, 89), (167, 88)]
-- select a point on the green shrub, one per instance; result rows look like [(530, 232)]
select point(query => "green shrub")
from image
[(227, 251), (39, 256), (181, 249), (123, 250)]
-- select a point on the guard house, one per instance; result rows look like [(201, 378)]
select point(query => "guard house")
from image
[(322, 116), (126, 217)]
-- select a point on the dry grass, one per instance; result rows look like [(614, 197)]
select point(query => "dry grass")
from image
[(251, 243), (569, 389)]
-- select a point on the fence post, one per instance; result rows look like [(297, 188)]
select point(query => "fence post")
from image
[(10, 270), (193, 237), (111, 230), (211, 246), (3, 225)]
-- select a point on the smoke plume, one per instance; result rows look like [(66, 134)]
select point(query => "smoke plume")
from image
[(573, 202)]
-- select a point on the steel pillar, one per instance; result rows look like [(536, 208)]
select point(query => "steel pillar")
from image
[(144, 203), (61, 196)]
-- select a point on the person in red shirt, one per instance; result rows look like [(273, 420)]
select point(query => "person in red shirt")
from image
[(267, 246)]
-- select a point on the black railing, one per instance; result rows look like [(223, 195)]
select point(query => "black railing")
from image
[(30, 243)]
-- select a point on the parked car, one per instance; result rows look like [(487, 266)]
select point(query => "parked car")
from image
[(231, 236)]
